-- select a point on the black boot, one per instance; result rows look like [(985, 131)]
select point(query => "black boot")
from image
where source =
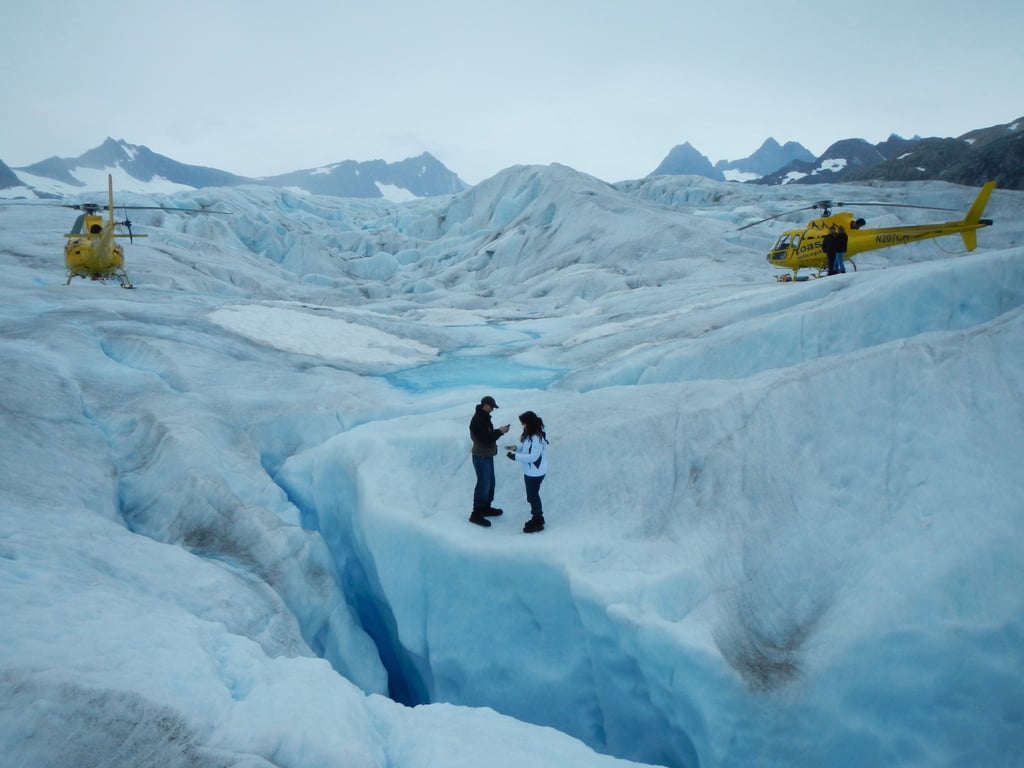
[(534, 524), (477, 517), (490, 511)]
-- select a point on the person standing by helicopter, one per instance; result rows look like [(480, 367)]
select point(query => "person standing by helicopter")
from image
[(828, 245), (840, 244)]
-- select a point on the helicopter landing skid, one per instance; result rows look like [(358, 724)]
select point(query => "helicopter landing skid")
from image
[(118, 274), (795, 278)]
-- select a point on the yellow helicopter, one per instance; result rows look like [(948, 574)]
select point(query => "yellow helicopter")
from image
[(798, 249), (92, 250)]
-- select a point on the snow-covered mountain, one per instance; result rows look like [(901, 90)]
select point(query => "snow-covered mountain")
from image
[(139, 169), (685, 159), (422, 176), (838, 160), (784, 520), (993, 153), (996, 153), (769, 157)]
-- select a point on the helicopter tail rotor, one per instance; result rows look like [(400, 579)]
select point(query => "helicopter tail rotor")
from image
[(127, 224)]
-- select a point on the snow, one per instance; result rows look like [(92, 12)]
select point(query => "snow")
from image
[(15, 193), (732, 174), (96, 179), (395, 194), (293, 330), (832, 164), (783, 521)]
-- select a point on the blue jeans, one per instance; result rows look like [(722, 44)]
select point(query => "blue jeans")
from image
[(483, 494), (840, 267), (533, 494)]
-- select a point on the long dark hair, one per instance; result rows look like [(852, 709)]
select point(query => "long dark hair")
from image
[(532, 425)]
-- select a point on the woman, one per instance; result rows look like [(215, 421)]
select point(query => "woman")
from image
[(532, 454)]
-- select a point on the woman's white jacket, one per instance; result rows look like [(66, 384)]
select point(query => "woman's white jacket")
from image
[(527, 453)]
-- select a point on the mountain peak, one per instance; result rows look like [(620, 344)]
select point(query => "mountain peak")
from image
[(684, 159)]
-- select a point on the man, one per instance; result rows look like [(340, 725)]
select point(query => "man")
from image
[(841, 242), (828, 245), (485, 447)]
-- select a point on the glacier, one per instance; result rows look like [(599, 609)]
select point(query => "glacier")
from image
[(784, 520)]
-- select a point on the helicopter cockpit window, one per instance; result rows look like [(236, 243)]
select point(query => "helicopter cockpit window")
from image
[(782, 246)]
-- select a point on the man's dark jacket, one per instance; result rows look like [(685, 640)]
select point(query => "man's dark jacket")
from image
[(485, 436)]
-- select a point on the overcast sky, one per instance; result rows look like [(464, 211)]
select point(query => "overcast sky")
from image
[(258, 88)]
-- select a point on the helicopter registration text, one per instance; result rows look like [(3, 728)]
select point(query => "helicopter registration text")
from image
[(892, 239)]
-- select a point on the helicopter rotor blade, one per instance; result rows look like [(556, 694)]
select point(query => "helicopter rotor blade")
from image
[(899, 205), (777, 216), (40, 203), (827, 205), (171, 210), (94, 207), (89, 208)]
